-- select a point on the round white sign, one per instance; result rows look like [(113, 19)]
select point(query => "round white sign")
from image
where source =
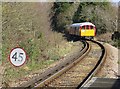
[(17, 56)]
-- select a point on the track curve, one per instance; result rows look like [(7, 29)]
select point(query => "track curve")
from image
[(77, 74), (70, 64), (57, 70), (97, 66), (44, 79)]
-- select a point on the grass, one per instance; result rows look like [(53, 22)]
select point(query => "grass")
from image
[(28, 26), (17, 72), (53, 54)]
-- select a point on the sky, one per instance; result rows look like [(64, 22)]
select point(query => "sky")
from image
[(115, 0)]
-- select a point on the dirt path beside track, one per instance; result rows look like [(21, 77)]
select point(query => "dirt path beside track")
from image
[(110, 67)]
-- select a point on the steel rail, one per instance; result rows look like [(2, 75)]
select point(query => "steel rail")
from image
[(49, 74), (83, 53), (97, 66)]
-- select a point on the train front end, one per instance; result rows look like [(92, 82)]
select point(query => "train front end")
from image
[(87, 31)]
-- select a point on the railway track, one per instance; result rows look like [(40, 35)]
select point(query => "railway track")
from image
[(57, 70), (96, 67), (81, 71), (73, 72)]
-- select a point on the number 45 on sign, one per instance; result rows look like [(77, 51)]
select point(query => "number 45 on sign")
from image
[(17, 56)]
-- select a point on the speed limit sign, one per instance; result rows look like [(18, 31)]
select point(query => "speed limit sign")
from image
[(17, 56)]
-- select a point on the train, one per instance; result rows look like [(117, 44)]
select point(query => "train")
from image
[(84, 30)]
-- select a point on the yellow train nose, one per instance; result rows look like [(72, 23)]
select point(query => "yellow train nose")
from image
[(90, 32)]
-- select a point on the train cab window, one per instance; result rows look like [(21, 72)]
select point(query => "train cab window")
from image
[(87, 26), (83, 27), (91, 27)]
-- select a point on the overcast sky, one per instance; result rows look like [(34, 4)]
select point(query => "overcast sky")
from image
[(115, 0)]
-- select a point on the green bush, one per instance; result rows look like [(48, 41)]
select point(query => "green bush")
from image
[(86, 11), (59, 20)]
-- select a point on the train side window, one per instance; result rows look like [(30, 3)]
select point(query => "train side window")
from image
[(75, 28), (91, 27)]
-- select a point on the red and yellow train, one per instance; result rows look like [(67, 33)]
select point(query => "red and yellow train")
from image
[(85, 29)]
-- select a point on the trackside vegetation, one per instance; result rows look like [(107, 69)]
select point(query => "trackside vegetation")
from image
[(41, 28), (98, 13)]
